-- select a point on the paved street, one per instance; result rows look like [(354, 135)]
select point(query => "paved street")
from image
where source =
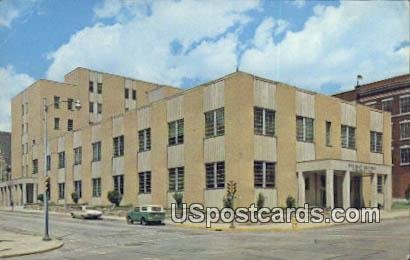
[(104, 239)]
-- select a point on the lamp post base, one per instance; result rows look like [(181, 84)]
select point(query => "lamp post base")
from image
[(46, 238)]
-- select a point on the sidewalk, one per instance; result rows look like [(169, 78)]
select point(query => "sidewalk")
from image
[(13, 245)]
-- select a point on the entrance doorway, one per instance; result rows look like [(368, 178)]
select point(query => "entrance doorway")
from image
[(356, 192)]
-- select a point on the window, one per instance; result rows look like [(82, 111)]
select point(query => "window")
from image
[(376, 140), (96, 151), (96, 187), (144, 139), (91, 86), (99, 108), (61, 191), (77, 155), (304, 129), (91, 107), (379, 184), (70, 125), (405, 130), (48, 162), (22, 109), (118, 146), (134, 94), (328, 133), (348, 136), (119, 183), (56, 102), (405, 104), (214, 123), (405, 156), (264, 174), (264, 121), (61, 160), (176, 132), (387, 105), (35, 166), (307, 183), (78, 188), (176, 179), (56, 123), (126, 93), (215, 175), (99, 88), (144, 182), (70, 104)]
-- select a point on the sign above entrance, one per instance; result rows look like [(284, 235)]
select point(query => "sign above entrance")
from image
[(361, 168)]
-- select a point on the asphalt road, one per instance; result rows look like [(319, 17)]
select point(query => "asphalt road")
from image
[(104, 239)]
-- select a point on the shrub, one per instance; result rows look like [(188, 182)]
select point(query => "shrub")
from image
[(290, 202), (75, 197), (260, 202), (114, 197), (228, 202), (40, 197), (178, 196)]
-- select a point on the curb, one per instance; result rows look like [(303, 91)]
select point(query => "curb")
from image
[(61, 244)]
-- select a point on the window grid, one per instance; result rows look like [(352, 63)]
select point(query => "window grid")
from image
[(348, 137), (176, 179), (215, 175), (176, 132), (328, 133), (35, 166), (61, 191), (387, 105), (405, 130), (379, 184), (77, 155), (70, 125), (214, 123), (119, 183), (405, 104), (78, 188), (96, 151), (304, 129), (264, 174), (96, 187), (144, 139), (99, 88), (264, 121), (61, 160), (405, 156), (376, 140), (144, 182), (118, 143)]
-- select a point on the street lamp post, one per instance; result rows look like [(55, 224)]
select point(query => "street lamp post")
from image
[(46, 236)]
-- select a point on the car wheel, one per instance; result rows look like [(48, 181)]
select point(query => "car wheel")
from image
[(143, 222), (72, 215), (129, 221)]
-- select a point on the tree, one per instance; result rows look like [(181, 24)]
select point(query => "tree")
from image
[(260, 202), (114, 197), (75, 197), (178, 196)]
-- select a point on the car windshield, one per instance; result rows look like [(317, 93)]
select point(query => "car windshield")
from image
[(156, 209)]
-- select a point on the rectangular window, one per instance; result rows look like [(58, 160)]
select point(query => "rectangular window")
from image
[(304, 129), (405, 130), (35, 166), (91, 107), (264, 121), (118, 143), (99, 108), (56, 123), (176, 179), (134, 94), (348, 137), (405, 104), (91, 86), (379, 184), (264, 174), (176, 132), (61, 160), (376, 141), (144, 139), (126, 93), (48, 163), (96, 151), (77, 155), (61, 191), (328, 133), (214, 123), (405, 156), (144, 182), (78, 188), (99, 88), (70, 102), (70, 125), (56, 102), (96, 187), (119, 183), (387, 105), (215, 175)]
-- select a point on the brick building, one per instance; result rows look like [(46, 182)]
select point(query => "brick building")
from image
[(392, 95)]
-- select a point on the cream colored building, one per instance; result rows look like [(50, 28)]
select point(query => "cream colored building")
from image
[(268, 137)]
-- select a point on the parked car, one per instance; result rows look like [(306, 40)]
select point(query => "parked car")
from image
[(86, 213), (146, 214)]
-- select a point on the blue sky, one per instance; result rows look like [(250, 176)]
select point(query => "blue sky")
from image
[(318, 45)]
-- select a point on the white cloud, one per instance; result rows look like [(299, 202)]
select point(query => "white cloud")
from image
[(11, 83), (140, 46), (7, 14), (299, 3), (335, 45)]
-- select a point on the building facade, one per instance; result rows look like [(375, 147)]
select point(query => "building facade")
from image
[(6, 187), (268, 137), (391, 95)]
